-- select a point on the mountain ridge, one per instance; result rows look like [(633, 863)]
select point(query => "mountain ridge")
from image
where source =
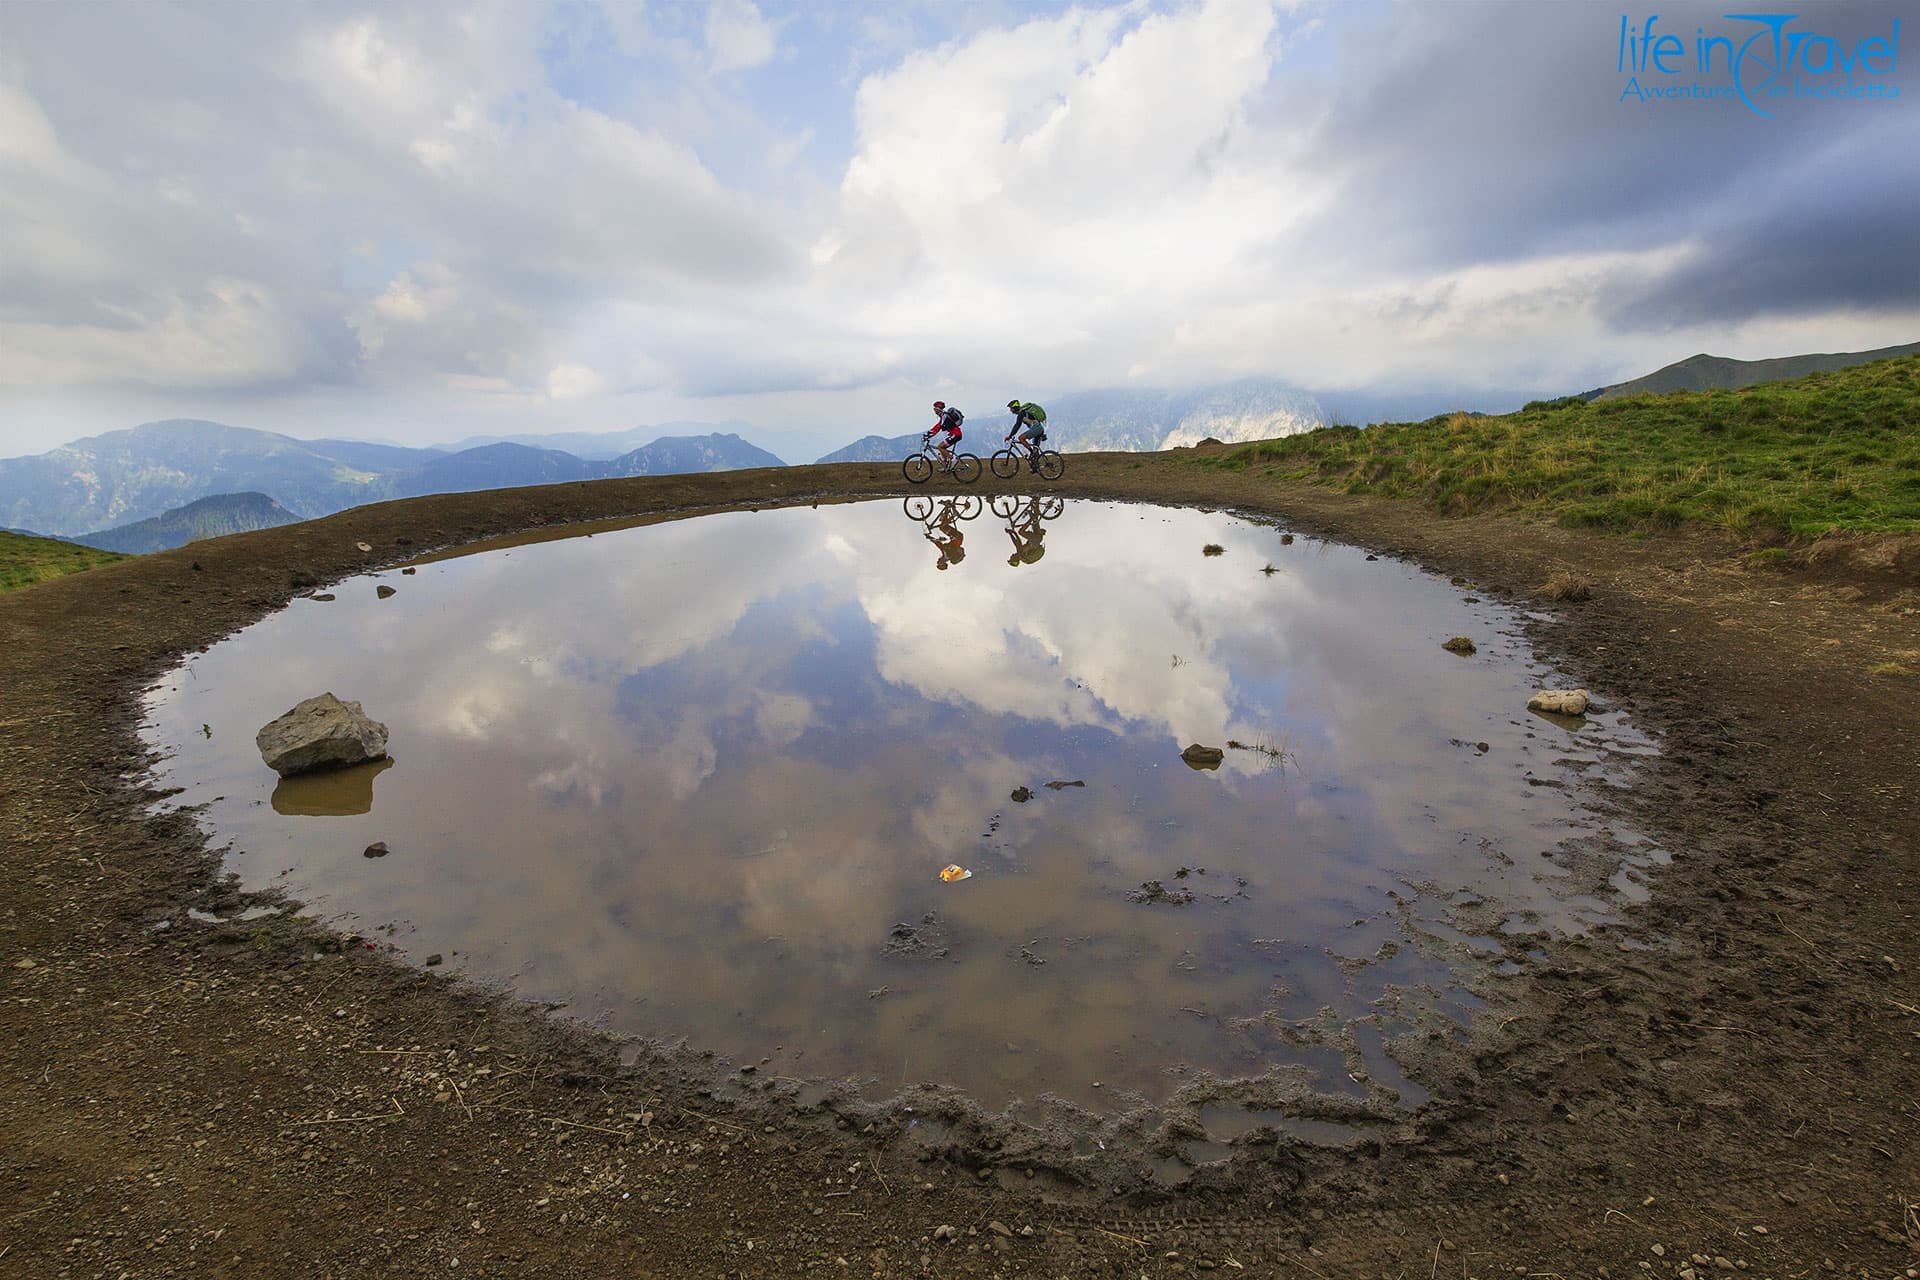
[(1703, 372), (209, 517)]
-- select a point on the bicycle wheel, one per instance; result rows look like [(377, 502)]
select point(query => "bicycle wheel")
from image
[(917, 469), (1004, 505), (1052, 465), (1004, 463), (918, 506), (967, 506), (966, 468), (1050, 508)]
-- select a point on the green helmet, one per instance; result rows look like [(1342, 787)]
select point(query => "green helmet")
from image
[(1014, 405)]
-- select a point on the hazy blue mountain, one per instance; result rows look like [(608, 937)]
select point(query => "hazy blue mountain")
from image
[(113, 479), (677, 455), (493, 466), (105, 482), (881, 448), (1709, 373), (370, 456), (604, 446), (206, 518)]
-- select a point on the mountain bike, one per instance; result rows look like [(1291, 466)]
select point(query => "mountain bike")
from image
[(919, 467), (1047, 462)]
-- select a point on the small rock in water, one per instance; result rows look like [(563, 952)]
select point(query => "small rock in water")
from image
[(1462, 645), (383, 591), (1565, 702), (378, 849), (1203, 757), (434, 959), (1021, 795)]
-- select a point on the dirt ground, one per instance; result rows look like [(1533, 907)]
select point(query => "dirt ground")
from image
[(1726, 1080)]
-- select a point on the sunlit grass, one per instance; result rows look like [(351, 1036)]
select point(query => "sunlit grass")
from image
[(25, 561), (1784, 461)]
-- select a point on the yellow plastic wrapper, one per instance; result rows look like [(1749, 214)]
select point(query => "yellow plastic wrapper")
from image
[(954, 871)]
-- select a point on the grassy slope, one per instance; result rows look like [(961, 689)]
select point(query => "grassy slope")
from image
[(25, 561), (1784, 460)]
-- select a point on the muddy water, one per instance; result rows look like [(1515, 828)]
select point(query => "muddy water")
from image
[(698, 780)]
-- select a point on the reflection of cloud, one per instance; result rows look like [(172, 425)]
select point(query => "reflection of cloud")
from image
[(1102, 640)]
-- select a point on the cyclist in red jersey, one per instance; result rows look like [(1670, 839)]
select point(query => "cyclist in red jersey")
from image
[(946, 421)]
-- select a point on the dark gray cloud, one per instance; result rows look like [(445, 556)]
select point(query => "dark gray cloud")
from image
[(1473, 133)]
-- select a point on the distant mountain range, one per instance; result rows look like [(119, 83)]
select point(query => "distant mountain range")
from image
[(1709, 373), (1128, 421), (99, 484), (207, 518), (602, 446)]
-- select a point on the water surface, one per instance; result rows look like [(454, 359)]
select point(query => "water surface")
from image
[(698, 780)]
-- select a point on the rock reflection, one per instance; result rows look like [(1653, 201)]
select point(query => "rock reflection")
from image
[(335, 793), (692, 776)]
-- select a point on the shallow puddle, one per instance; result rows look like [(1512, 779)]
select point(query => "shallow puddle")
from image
[(699, 780)]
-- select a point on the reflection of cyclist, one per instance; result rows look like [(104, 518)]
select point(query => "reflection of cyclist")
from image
[(1030, 422), (946, 420), (1029, 542), (952, 547)]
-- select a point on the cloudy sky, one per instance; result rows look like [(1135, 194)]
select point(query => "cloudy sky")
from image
[(417, 222)]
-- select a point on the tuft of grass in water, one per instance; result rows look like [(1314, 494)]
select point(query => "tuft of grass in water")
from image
[(1779, 463), (1889, 669), (1567, 585), (1279, 755), (1213, 549), (26, 560)]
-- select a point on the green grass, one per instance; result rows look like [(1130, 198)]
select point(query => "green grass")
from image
[(1780, 462), (25, 561)]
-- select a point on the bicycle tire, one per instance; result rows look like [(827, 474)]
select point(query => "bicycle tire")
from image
[(917, 469), (966, 468), (1004, 505), (1052, 465), (1004, 463), (918, 506), (1050, 508), (967, 506)]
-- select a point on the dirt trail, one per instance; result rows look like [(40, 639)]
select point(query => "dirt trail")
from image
[(1727, 1073)]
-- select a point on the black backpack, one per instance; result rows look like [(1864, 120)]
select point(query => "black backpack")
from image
[(953, 418)]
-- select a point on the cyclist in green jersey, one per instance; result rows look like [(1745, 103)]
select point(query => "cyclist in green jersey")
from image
[(1030, 423)]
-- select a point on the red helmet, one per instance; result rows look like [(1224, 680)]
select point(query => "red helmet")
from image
[(939, 404)]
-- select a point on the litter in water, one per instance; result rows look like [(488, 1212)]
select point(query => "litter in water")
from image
[(954, 871)]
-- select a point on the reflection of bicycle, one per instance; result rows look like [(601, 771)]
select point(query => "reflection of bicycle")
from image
[(1026, 525), (940, 523), (919, 467), (1007, 461), (1008, 505), (919, 506)]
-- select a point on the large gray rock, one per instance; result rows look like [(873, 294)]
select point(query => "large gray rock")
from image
[(321, 733)]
